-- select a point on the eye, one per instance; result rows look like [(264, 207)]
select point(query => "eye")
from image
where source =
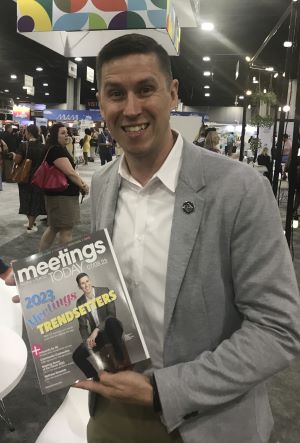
[(115, 94), (146, 90)]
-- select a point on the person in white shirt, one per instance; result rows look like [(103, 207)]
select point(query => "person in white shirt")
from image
[(217, 317)]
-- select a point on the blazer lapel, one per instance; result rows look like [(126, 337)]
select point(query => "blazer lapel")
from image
[(107, 208), (185, 226)]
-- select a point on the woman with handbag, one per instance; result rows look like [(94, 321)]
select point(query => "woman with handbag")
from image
[(31, 198), (3, 149), (62, 206)]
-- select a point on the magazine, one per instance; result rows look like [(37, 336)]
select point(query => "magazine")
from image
[(77, 312)]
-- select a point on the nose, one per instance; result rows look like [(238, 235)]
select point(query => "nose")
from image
[(132, 106)]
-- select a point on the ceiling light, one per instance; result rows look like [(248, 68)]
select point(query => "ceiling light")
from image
[(207, 94), (248, 92), (45, 84), (24, 87), (39, 68), (283, 75), (207, 73), (286, 108), (207, 26), (276, 75), (17, 98), (206, 87), (6, 90), (206, 59), (241, 97), (279, 109), (13, 76), (249, 106), (47, 93), (270, 68), (287, 44), (93, 89), (248, 59), (265, 91), (78, 59)]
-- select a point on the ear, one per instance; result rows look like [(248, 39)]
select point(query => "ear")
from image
[(174, 93)]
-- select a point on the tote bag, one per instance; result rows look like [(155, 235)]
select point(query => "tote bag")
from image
[(49, 178), (20, 173)]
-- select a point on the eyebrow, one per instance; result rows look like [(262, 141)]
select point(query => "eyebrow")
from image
[(111, 84)]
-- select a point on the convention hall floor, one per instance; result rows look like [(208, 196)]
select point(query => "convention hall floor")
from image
[(30, 411)]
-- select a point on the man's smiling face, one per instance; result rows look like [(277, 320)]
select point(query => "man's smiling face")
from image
[(135, 100)]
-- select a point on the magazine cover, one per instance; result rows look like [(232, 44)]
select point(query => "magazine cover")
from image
[(78, 313)]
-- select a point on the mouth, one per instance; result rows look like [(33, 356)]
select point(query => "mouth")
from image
[(135, 129)]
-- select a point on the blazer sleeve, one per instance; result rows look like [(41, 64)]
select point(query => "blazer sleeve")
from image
[(267, 297)]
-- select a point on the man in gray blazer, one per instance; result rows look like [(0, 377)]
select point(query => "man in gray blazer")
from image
[(201, 246)]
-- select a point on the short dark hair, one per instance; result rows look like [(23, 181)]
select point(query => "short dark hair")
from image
[(133, 44), (87, 131), (33, 130), (7, 126), (79, 277), (52, 139)]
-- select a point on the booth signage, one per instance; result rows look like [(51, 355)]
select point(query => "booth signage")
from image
[(21, 112), (39, 121), (71, 115)]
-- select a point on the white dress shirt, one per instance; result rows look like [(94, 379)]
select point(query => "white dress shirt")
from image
[(141, 238), (94, 311)]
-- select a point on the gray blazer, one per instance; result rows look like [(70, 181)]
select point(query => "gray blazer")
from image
[(232, 312)]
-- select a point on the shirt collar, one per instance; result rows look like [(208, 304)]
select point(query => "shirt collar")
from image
[(168, 172)]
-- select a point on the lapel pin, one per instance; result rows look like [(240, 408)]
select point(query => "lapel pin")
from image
[(188, 207)]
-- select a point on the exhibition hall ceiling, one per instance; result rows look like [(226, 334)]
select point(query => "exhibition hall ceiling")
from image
[(240, 29)]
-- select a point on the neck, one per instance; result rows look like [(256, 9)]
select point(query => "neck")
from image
[(144, 167), (89, 294)]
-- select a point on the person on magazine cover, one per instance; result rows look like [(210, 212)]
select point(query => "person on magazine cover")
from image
[(101, 332), (216, 298)]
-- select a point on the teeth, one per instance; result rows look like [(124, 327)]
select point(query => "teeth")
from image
[(135, 128)]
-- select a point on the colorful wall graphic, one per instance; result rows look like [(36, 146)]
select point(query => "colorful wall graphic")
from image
[(76, 15)]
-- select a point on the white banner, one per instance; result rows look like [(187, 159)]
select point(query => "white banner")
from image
[(72, 69), (28, 81), (90, 75)]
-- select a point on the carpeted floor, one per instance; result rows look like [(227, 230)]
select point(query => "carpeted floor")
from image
[(30, 410)]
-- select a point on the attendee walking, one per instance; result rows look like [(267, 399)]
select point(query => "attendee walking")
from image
[(86, 147), (263, 159), (62, 206), (3, 151), (105, 146), (211, 142), (286, 152), (31, 198)]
